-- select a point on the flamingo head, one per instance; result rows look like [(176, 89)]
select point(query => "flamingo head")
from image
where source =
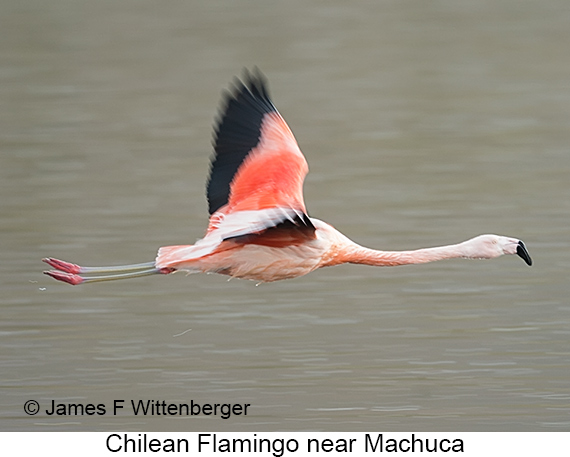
[(491, 246)]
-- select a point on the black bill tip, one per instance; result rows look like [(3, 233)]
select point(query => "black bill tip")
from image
[(523, 253)]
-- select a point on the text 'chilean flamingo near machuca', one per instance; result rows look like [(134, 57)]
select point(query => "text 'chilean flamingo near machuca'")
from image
[(259, 228)]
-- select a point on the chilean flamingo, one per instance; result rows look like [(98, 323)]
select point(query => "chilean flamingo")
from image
[(259, 228)]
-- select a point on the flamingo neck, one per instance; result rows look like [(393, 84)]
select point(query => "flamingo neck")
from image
[(366, 256)]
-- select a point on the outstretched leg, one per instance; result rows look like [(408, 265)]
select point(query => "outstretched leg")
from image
[(68, 267), (71, 273)]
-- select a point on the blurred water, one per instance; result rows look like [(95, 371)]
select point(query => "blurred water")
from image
[(424, 123)]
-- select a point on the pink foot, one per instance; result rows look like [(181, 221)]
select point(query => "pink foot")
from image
[(62, 265), (69, 278)]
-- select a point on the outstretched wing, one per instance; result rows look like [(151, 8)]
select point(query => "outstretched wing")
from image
[(257, 173), (255, 188)]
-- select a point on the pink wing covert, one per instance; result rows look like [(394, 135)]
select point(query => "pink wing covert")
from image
[(272, 174)]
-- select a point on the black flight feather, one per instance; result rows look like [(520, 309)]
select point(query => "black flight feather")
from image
[(237, 132)]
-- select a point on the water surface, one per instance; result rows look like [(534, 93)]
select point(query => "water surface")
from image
[(423, 123)]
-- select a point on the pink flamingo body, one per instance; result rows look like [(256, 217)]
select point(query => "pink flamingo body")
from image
[(259, 228)]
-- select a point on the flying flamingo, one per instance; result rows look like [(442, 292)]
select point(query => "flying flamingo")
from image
[(259, 228)]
